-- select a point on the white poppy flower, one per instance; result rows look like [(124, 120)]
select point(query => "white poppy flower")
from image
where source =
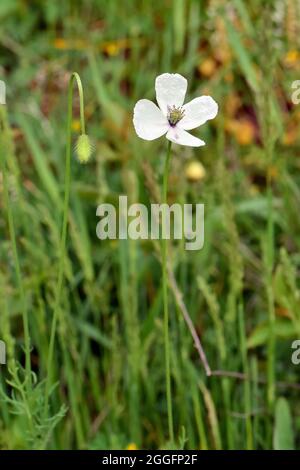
[(172, 117)]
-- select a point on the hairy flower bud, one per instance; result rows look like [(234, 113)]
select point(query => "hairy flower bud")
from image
[(84, 148)]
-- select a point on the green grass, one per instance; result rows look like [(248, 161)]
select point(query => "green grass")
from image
[(241, 291)]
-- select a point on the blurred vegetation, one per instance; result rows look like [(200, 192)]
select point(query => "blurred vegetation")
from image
[(242, 295)]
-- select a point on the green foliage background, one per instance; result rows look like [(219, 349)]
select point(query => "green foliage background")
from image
[(242, 295)]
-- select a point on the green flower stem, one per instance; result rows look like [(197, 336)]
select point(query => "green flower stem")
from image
[(12, 233), (62, 249), (165, 302)]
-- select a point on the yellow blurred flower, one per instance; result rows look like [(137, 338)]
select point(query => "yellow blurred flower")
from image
[(113, 48), (60, 43), (232, 104), (208, 67), (195, 171), (246, 133), (243, 130), (76, 125), (292, 58), (131, 446), (72, 44)]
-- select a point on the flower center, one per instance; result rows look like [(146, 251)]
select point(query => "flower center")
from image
[(174, 115)]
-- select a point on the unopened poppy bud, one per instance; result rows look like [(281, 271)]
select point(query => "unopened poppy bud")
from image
[(84, 148)]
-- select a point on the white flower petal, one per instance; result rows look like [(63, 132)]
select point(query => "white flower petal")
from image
[(198, 111), (180, 136), (170, 90), (149, 122)]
